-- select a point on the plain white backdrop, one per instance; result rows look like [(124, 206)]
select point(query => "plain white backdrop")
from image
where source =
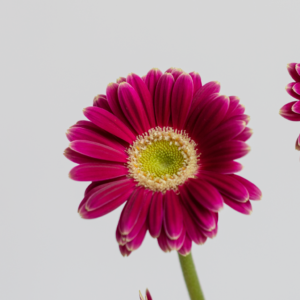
[(55, 57)]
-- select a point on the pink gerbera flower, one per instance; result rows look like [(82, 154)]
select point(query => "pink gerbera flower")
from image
[(291, 110), (166, 146)]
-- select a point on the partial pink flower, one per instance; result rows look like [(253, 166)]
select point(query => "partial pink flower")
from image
[(147, 297), (165, 145)]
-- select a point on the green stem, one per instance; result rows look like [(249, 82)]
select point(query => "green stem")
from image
[(190, 277)]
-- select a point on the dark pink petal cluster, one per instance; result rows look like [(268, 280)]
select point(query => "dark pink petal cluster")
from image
[(291, 110), (133, 106)]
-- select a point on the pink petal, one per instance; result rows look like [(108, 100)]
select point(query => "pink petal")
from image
[(121, 79), (142, 217), (101, 101), (138, 240), (245, 118), (79, 158), (206, 90), (196, 81), (226, 167), (202, 216), (225, 131), (105, 209), (176, 72), (97, 172), (286, 112), (124, 251), (156, 213), (79, 133), (181, 100), (162, 100), (225, 151), (253, 190), (293, 72), (193, 231), (233, 103), (226, 185), (107, 192), (177, 244), (141, 88), (133, 108), (290, 89), (132, 210), (244, 208), (298, 143), (244, 135), (110, 123), (121, 239), (211, 116), (197, 110), (148, 295), (186, 247), (152, 79), (98, 151), (173, 219), (205, 194), (296, 107), (296, 88), (162, 241), (297, 67)]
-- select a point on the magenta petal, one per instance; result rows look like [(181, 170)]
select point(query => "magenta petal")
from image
[(132, 210), (244, 135), (287, 113), (152, 79), (181, 100), (105, 209), (141, 88), (148, 295), (156, 213), (177, 244), (296, 88), (296, 107), (121, 79), (205, 194), (110, 123), (254, 191), (186, 247), (97, 171), (138, 240), (101, 101), (133, 108), (176, 72), (98, 151), (297, 67), (242, 207), (142, 217), (298, 143), (225, 131), (193, 231), (121, 239), (202, 216), (290, 89), (292, 68), (225, 151), (226, 167), (108, 192), (227, 185), (206, 90), (173, 220), (196, 81), (196, 111), (162, 100), (162, 241), (124, 251), (211, 116), (79, 158), (233, 103), (243, 117)]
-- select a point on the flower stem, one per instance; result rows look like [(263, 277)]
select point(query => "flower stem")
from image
[(191, 277)]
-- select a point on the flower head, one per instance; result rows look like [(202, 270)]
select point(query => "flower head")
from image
[(165, 145)]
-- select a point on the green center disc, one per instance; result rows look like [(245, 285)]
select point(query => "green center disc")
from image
[(160, 158)]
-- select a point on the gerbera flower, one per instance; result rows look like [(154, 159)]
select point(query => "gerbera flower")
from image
[(166, 146), (291, 110), (147, 297)]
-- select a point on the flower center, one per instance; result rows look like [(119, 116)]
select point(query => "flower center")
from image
[(162, 159)]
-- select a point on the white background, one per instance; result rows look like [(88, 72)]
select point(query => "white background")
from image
[(55, 57)]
